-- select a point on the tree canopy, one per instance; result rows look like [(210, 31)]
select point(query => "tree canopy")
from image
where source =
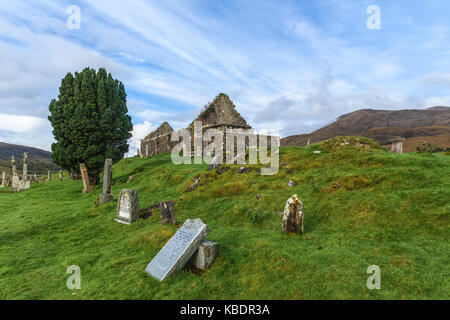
[(90, 121)]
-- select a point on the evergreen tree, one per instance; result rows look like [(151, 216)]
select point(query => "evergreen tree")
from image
[(90, 122)]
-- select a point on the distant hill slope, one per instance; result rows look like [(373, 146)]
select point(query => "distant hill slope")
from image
[(431, 125), (39, 161)]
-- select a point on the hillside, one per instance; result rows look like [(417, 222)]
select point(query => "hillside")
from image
[(39, 161), (431, 125), (362, 208)]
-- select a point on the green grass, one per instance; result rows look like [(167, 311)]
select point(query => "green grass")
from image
[(361, 208)]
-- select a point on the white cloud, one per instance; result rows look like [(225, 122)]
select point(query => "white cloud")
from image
[(22, 124)]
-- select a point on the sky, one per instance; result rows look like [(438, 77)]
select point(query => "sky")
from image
[(293, 66)]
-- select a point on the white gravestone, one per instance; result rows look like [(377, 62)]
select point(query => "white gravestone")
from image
[(127, 206), (178, 250)]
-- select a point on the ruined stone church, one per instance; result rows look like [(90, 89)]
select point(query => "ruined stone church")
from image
[(220, 114)]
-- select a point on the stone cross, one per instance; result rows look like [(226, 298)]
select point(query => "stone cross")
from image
[(49, 175), (178, 250), (127, 207), (293, 216), (85, 176), (25, 166), (106, 195)]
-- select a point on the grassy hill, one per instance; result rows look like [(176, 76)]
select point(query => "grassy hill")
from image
[(39, 161), (362, 208)]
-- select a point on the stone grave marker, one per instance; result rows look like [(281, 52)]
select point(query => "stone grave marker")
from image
[(397, 147), (167, 212), (106, 195), (127, 206), (293, 216), (204, 257), (84, 175), (178, 250), (15, 181), (49, 176), (3, 180), (60, 175)]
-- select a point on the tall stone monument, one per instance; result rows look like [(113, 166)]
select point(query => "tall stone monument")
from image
[(84, 175), (178, 250), (25, 166), (293, 216), (106, 195), (127, 207), (15, 181)]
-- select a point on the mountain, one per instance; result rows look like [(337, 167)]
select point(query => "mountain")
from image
[(39, 161), (415, 126)]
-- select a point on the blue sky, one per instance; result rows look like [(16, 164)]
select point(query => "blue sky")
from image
[(288, 65)]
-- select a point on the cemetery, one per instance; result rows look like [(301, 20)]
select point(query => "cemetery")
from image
[(308, 232)]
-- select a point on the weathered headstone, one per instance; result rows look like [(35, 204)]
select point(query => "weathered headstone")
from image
[(15, 180), (49, 175), (106, 195), (204, 257), (35, 176), (127, 206), (178, 250), (60, 175), (84, 175), (397, 147), (308, 143), (25, 166), (293, 216), (3, 185), (167, 212)]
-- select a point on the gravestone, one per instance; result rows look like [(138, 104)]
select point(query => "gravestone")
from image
[(178, 250), (293, 216), (35, 176), (15, 181), (84, 175), (49, 175), (167, 212), (308, 143), (3, 185), (106, 195), (60, 175), (204, 257), (397, 147), (25, 166), (127, 206)]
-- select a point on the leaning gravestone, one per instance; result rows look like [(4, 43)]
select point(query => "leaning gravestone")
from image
[(84, 175), (178, 250), (293, 216), (127, 206), (106, 195)]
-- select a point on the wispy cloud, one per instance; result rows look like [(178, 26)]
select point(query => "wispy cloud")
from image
[(287, 65)]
